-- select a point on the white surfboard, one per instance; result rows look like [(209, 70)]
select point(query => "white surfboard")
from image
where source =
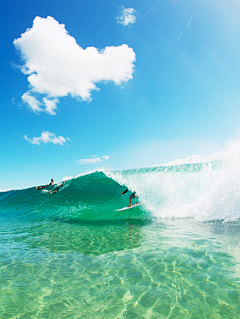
[(128, 207)]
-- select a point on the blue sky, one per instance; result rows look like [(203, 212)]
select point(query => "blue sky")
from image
[(114, 84)]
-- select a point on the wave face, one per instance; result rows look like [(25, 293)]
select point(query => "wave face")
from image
[(204, 191)]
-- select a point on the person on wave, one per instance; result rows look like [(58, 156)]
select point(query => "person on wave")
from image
[(132, 196), (51, 183), (57, 188)]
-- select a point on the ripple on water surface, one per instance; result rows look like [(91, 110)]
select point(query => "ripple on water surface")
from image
[(127, 269)]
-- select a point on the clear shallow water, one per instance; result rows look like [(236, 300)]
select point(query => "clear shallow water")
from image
[(127, 269), (70, 255)]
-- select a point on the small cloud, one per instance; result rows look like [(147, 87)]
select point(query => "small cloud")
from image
[(194, 159), (127, 16), (47, 137), (56, 65), (50, 105), (32, 102), (94, 159)]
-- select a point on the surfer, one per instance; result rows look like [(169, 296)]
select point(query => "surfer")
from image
[(132, 196), (57, 188), (51, 183)]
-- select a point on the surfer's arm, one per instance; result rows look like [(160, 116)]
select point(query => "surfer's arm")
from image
[(46, 185), (124, 191), (40, 187), (51, 183)]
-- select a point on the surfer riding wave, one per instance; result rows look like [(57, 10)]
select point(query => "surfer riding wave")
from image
[(132, 196)]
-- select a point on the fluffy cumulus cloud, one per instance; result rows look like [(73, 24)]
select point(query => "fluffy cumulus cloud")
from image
[(46, 137), (127, 16), (57, 66), (93, 159)]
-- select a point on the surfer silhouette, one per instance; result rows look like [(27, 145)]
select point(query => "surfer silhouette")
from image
[(132, 196), (51, 183), (57, 188)]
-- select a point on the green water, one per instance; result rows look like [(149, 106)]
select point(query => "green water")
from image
[(71, 255), (132, 268)]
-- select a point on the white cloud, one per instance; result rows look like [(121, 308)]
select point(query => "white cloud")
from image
[(46, 137), (32, 102), (94, 159), (37, 106), (50, 105), (194, 159), (127, 16), (57, 66)]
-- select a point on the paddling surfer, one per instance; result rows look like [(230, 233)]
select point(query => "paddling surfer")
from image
[(51, 183), (57, 188), (132, 196)]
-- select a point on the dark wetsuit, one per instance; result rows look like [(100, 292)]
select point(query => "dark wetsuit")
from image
[(57, 188), (133, 195)]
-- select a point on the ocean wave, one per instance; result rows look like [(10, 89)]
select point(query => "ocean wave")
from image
[(204, 191)]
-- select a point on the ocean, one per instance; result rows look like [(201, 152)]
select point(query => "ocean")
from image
[(176, 256)]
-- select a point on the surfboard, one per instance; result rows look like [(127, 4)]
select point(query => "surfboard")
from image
[(128, 207)]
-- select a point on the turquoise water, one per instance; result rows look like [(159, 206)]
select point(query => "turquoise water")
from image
[(71, 255)]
